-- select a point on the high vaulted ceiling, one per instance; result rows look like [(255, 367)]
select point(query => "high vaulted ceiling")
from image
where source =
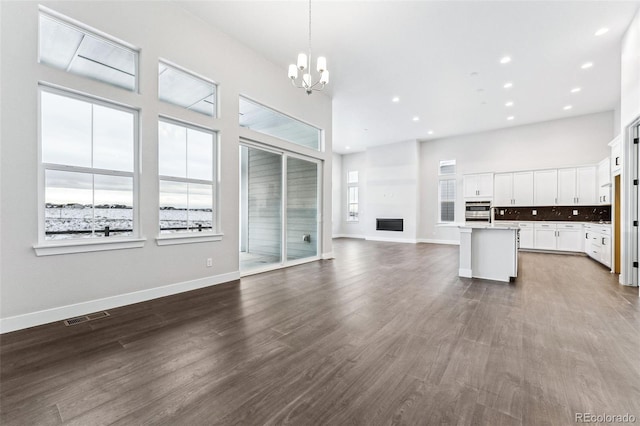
[(441, 59)]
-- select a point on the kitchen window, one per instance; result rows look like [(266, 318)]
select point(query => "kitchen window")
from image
[(353, 196), (446, 191)]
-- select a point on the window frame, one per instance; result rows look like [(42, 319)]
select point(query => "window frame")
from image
[(196, 76), (185, 237), (353, 184), (450, 178), (77, 245), (93, 32)]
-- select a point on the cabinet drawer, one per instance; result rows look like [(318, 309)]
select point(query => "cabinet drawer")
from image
[(545, 226), (525, 225)]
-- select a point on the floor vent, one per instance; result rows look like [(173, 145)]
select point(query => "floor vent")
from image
[(85, 318)]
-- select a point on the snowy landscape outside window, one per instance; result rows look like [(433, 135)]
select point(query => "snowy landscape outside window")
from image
[(186, 168), (87, 152)]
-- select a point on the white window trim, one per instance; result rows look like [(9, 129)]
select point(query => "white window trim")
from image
[(189, 237), (54, 247)]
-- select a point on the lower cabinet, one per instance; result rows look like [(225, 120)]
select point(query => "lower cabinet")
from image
[(526, 235), (598, 243), (561, 237)]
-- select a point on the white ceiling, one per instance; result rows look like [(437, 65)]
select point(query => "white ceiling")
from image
[(425, 52)]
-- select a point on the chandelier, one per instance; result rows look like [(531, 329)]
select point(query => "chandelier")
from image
[(304, 65)]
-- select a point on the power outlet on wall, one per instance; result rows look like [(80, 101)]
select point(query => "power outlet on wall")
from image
[(575, 212), (534, 212), (209, 262)]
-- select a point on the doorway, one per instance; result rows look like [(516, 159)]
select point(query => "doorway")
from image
[(279, 206)]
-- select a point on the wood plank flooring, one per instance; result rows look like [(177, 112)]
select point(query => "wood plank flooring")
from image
[(383, 334)]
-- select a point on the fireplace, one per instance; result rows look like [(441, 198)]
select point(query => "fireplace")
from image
[(390, 225)]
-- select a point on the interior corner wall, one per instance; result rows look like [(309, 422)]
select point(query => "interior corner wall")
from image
[(567, 142), (55, 285), (630, 73), (336, 192)]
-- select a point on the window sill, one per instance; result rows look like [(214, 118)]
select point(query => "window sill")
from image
[(76, 246), (184, 238), (448, 224), (353, 221)]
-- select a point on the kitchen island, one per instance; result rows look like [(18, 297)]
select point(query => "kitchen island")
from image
[(488, 251)]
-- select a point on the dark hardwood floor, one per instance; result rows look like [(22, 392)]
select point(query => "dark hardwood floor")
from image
[(384, 334)]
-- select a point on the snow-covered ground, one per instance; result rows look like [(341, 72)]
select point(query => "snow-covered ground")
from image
[(86, 219)]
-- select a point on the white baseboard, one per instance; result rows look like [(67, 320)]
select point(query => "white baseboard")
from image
[(328, 256), (433, 241), (393, 240), (360, 237), (32, 319), (463, 272)]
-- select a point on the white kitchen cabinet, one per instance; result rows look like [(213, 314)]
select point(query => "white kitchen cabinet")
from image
[(545, 236), (523, 189), (478, 186), (616, 156), (503, 189), (587, 237), (545, 186), (604, 181), (577, 186), (569, 237), (526, 235), (586, 185), (599, 243)]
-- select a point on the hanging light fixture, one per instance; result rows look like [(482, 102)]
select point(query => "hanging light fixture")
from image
[(304, 66)]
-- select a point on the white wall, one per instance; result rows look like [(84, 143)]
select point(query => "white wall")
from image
[(559, 143), (630, 73), (354, 162), (87, 281)]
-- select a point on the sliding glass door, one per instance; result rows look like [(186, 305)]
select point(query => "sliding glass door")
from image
[(279, 204)]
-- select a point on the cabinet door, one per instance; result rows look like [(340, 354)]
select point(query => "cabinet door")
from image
[(523, 189), (526, 238), (586, 240), (569, 240), (503, 190), (616, 156), (604, 172), (586, 179), (545, 185), (566, 187), (605, 250), (545, 238), (470, 186), (604, 194), (485, 185)]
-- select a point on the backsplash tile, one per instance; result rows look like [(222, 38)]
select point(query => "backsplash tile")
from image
[(554, 213)]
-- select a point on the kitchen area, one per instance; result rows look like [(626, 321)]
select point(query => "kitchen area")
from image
[(569, 210)]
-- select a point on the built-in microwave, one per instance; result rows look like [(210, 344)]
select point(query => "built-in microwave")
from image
[(477, 211)]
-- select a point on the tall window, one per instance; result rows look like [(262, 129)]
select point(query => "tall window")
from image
[(447, 191), (186, 167), (352, 202), (87, 152)]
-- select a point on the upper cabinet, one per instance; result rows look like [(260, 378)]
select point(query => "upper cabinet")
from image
[(513, 189), (577, 186), (616, 156), (478, 186), (604, 181), (545, 185)]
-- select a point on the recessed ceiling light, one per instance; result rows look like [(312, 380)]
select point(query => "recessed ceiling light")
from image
[(416, 118), (430, 132), (395, 99), (508, 85), (567, 107), (511, 117), (347, 147), (602, 30), (509, 104), (576, 90), (586, 65), (505, 60)]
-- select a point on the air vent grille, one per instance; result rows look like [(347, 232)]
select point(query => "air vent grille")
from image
[(85, 318)]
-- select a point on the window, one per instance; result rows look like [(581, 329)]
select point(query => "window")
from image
[(352, 202), (186, 168), (186, 90), (88, 160), (273, 123), (80, 51), (447, 191)]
